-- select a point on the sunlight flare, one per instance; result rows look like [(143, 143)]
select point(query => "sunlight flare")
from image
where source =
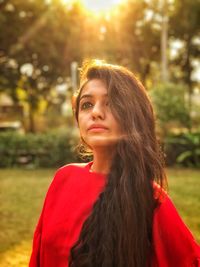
[(95, 6), (100, 5)]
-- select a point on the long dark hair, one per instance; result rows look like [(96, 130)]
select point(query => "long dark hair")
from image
[(118, 232)]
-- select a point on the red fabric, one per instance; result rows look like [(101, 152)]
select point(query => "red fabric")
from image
[(173, 243), (69, 202)]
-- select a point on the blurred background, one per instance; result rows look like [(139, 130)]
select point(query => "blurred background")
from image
[(42, 46)]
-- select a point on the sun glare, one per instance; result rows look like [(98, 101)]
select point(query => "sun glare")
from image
[(95, 6), (100, 5)]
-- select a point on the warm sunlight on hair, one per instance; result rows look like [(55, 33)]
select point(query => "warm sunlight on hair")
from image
[(96, 62)]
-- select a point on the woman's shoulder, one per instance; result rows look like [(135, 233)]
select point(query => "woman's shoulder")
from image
[(80, 165), (68, 168), (67, 174)]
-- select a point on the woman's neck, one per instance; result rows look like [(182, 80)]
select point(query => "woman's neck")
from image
[(102, 159)]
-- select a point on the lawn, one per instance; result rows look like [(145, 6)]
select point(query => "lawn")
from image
[(21, 198)]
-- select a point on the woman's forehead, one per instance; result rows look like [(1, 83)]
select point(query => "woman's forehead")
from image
[(94, 87)]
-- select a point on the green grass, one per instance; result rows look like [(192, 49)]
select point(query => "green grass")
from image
[(21, 198)]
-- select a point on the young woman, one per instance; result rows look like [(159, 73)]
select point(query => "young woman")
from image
[(113, 211)]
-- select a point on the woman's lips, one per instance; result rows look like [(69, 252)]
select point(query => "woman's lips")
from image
[(97, 128)]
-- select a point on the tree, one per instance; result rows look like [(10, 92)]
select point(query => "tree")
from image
[(184, 26), (170, 106), (140, 37), (37, 47)]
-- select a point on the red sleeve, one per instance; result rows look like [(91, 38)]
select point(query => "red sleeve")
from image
[(35, 255), (173, 243)]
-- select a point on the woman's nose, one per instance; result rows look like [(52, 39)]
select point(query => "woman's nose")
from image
[(98, 111)]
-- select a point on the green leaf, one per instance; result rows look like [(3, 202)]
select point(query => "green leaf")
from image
[(184, 156)]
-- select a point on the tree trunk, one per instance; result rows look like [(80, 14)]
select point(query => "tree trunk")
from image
[(31, 120), (188, 70)]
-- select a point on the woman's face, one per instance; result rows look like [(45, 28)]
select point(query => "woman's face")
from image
[(97, 125)]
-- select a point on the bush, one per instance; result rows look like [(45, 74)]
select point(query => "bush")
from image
[(183, 149), (170, 105), (37, 150)]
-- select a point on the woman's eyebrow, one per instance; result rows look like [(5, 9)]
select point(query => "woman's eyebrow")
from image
[(85, 96), (90, 96)]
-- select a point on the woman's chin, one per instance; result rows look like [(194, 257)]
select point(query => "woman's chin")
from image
[(98, 142)]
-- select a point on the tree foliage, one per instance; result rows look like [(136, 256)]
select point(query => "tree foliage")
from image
[(40, 39), (184, 24), (170, 106), (37, 47)]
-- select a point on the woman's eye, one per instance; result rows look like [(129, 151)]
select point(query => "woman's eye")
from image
[(86, 105)]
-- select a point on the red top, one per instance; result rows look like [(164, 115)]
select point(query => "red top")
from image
[(68, 203)]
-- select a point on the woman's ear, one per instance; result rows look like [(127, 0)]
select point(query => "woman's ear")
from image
[(73, 103), (85, 146), (74, 107)]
